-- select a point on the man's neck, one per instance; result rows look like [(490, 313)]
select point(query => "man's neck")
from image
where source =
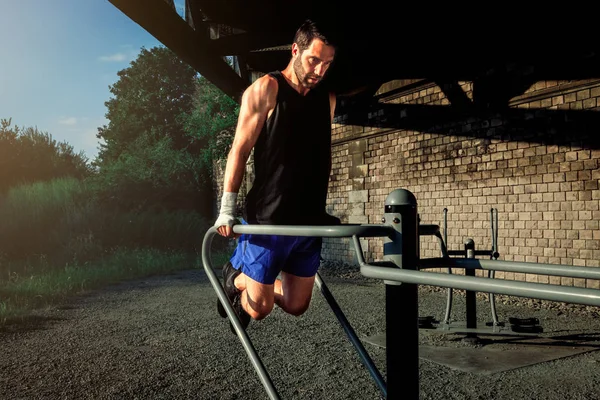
[(292, 79)]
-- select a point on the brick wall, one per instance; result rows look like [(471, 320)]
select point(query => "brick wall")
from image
[(535, 162)]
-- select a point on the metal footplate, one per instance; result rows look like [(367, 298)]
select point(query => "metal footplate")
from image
[(525, 325)]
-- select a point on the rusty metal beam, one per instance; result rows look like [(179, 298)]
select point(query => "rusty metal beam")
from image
[(162, 22)]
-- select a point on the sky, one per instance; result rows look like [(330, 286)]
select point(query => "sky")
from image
[(58, 59)]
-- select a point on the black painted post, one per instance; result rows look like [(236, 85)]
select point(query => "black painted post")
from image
[(470, 298), (402, 315)]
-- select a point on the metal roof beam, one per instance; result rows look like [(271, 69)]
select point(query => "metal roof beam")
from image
[(162, 22), (243, 43)]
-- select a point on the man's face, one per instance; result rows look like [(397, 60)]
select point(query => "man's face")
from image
[(311, 64)]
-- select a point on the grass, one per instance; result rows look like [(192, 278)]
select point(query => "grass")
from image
[(21, 294), (59, 239)]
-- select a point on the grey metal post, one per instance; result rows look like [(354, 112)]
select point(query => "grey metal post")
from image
[(401, 248), (470, 298)]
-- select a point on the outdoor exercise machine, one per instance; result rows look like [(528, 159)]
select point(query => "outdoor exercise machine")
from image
[(402, 271), (517, 325), (469, 251)]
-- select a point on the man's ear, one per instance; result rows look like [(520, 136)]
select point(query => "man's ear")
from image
[(295, 50)]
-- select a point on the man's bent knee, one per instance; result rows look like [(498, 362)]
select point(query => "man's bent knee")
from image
[(297, 308), (258, 309)]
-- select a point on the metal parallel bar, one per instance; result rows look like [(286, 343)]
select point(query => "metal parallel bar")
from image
[(289, 230), (513, 266), (393, 276), (346, 230), (542, 291), (241, 332), (362, 352)]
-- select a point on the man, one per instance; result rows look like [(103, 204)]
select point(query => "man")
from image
[(286, 118)]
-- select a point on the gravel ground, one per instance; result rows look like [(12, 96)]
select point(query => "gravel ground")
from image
[(161, 338)]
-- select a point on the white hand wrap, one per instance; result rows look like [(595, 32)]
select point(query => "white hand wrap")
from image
[(227, 212)]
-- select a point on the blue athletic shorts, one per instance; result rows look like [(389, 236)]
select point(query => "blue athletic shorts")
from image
[(262, 257)]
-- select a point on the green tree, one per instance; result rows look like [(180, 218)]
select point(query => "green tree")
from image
[(145, 161), (147, 99), (152, 174), (28, 155), (210, 125)]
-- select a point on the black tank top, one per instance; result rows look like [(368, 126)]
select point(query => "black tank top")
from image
[(292, 160)]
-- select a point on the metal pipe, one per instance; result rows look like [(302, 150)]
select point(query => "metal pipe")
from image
[(567, 294), (289, 230), (362, 352), (449, 299), (496, 235), (241, 332), (445, 225), (401, 278), (443, 248), (375, 230), (446, 254), (513, 266)]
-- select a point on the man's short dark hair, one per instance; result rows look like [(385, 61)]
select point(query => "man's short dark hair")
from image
[(311, 30)]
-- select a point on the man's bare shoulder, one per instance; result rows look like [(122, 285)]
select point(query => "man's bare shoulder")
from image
[(265, 85), (263, 90)]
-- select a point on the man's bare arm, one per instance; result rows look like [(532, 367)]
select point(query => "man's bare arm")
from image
[(257, 102)]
